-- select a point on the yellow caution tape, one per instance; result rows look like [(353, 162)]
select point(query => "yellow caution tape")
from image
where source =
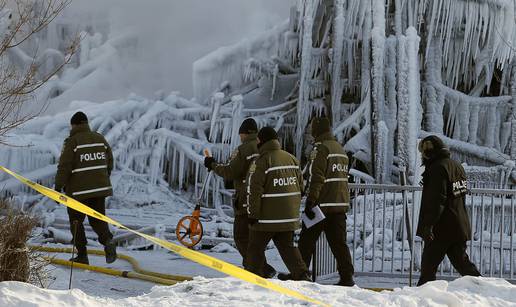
[(200, 258)]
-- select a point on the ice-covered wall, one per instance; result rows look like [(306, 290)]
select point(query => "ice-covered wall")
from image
[(227, 64)]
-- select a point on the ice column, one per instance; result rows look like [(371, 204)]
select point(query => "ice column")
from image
[(303, 104), (236, 119), (338, 43)]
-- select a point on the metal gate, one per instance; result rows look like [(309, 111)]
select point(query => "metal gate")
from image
[(381, 233)]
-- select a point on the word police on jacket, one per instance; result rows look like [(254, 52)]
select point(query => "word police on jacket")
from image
[(284, 181), (460, 187), (93, 156), (339, 167)]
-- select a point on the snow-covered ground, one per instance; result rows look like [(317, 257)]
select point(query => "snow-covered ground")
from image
[(467, 291)]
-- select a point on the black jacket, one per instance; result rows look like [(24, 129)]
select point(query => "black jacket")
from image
[(443, 204)]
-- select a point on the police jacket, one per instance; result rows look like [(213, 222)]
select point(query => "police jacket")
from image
[(236, 170), (274, 186), (85, 165), (443, 203), (328, 176)]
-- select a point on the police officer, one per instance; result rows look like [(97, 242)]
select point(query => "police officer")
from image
[(274, 185), (327, 188), (443, 219), (236, 170), (83, 172)]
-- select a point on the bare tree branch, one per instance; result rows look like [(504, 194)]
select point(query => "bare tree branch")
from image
[(21, 20)]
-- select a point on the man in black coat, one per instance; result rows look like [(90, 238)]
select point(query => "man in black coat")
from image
[(443, 219)]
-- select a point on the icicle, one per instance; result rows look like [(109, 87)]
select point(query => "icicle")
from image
[(215, 108), (236, 118), (306, 65), (317, 88), (382, 168), (378, 87), (292, 46), (513, 111), (336, 61), (498, 123), (274, 81), (473, 124), (491, 122)]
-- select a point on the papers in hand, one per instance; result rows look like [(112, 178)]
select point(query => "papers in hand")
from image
[(319, 216)]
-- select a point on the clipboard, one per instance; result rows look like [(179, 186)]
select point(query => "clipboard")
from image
[(319, 216)]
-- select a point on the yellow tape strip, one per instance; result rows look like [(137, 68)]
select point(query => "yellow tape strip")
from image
[(200, 258)]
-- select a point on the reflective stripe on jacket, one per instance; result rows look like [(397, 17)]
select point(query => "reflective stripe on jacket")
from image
[(85, 165), (328, 176), (274, 186)]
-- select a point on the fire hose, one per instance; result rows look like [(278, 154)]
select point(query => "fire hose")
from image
[(138, 273)]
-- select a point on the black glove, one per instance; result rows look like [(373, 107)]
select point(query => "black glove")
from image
[(252, 221), (208, 161), (427, 234), (309, 205)]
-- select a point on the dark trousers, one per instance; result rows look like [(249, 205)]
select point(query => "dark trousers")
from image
[(284, 242), (334, 226), (100, 227), (241, 237), (433, 255), (241, 234)]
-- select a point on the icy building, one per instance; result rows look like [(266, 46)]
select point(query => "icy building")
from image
[(387, 73)]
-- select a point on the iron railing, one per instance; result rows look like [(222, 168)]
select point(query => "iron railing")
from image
[(381, 227)]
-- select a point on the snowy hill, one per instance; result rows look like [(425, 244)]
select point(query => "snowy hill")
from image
[(467, 291)]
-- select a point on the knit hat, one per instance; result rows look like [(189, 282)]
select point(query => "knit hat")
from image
[(248, 126), (430, 145), (266, 134), (320, 125), (78, 118)]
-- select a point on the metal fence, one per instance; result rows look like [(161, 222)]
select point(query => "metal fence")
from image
[(381, 233)]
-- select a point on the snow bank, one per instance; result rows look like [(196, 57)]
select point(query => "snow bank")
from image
[(231, 292)]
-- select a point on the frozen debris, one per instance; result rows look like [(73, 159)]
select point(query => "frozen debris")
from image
[(223, 248)]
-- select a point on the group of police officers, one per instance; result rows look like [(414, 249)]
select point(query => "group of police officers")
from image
[(269, 186)]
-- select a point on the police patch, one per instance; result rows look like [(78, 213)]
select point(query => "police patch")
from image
[(252, 168), (313, 154), (234, 154)]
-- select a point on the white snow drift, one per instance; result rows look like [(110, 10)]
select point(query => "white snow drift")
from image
[(231, 292)]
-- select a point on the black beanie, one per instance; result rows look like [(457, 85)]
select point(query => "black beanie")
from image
[(320, 125), (266, 134), (437, 143), (78, 118), (248, 126), (436, 149)]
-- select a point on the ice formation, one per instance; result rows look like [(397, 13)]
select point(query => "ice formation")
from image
[(443, 67)]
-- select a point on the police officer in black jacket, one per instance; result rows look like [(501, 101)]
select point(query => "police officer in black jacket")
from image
[(443, 219)]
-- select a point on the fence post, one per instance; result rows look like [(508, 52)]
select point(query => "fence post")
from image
[(403, 182), (314, 261)]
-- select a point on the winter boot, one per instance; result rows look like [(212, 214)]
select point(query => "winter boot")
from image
[(305, 276), (80, 258), (284, 276), (110, 250), (269, 271), (347, 282)]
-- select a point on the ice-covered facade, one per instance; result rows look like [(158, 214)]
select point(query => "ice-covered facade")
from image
[(387, 72)]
